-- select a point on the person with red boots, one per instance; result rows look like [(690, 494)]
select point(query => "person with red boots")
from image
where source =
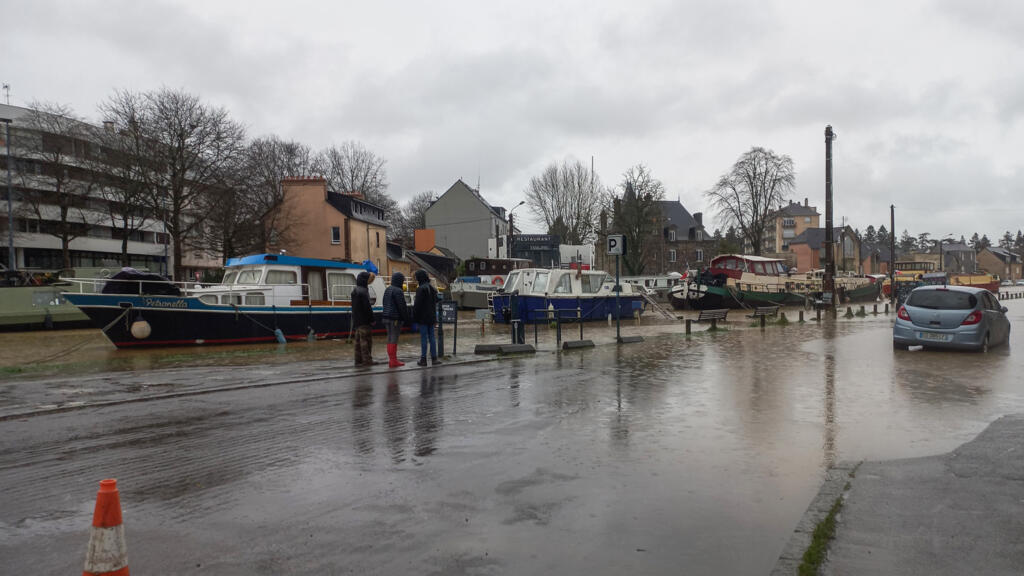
[(396, 314)]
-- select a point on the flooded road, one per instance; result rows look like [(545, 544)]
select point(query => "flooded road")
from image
[(680, 454)]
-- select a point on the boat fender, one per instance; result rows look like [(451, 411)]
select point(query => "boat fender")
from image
[(141, 329), (279, 335), (311, 337)]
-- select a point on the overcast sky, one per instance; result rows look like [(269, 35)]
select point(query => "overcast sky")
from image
[(926, 96)]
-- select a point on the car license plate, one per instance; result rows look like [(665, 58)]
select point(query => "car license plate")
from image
[(933, 337)]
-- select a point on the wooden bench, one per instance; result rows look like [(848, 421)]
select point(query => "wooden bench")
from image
[(714, 316), (765, 312)]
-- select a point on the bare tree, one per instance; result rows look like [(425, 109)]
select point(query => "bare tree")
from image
[(122, 162), (413, 217), (637, 216), (352, 169), (567, 197), (187, 147), (268, 161), (56, 179), (757, 185)]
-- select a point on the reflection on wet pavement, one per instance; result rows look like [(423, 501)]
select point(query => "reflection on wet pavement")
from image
[(695, 454)]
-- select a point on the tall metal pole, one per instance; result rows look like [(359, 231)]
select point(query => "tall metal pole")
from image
[(618, 307), (10, 194), (829, 283), (892, 253)]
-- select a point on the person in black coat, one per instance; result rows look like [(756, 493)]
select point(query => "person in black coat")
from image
[(424, 314), (396, 313), (362, 319)]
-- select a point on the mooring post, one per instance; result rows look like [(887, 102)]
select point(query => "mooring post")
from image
[(875, 311), (801, 315), (886, 307), (714, 324), (818, 313), (688, 325), (762, 321), (579, 318)]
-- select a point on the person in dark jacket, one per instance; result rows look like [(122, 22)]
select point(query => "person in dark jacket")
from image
[(362, 319), (396, 313), (424, 314)]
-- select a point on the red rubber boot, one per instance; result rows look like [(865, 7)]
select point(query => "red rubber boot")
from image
[(393, 356)]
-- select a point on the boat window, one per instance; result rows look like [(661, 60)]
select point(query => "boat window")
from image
[(759, 268), (592, 283), (340, 285), (282, 277), (250, 276), (512, 283), (231, 299), (229, 277), (255, 299), (730, 264), (208, 299), (540, 283), (564, 285)]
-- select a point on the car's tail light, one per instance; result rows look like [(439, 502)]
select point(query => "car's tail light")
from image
[(972, 318), (902, 314)]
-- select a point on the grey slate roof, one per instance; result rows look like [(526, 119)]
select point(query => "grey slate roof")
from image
[(866, 248), (676, 215), (1004, 254), (798, 209), (357, 208), (815, 237)]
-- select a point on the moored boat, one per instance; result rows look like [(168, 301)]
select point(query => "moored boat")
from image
[(537, 294), (262, 298)]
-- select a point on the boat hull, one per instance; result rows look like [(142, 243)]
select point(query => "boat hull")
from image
[(38, 307), (185, 321), (592, 308)]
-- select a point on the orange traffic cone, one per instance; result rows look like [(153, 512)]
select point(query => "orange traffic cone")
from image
[(108, 552)]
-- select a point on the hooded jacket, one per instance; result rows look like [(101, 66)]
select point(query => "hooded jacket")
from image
[(395, 307), (362, 309), (424, 308)]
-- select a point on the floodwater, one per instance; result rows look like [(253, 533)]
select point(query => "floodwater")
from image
[(680, 454)]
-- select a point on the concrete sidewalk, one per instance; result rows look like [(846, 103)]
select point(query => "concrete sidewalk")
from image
[(956, 513)]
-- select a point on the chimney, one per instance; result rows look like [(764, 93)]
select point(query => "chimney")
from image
[(108, 126), (699, 218), (805, 201)]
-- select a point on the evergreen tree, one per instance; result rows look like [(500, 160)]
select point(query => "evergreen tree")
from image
[(983, 243), (907, 242), (882, 235), (870, 235), (974, 242), (1007, 240)]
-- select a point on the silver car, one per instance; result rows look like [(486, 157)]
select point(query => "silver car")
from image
[(951, 317)]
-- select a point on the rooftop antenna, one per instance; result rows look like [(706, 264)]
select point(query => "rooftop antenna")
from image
[(7, 93)]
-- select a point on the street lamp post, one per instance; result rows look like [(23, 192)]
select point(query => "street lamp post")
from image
[(512, 228), (10, 194), (829, 282)]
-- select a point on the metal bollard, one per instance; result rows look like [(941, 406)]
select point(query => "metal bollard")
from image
[(762, 322), (801, 315), (714, 324), (818, 318), (875, 311), (558, 331), (886, 307), (688, 325)]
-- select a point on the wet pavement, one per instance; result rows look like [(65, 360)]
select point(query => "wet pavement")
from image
[(684, 454)]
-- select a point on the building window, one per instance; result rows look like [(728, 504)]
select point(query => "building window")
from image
[(807, 219), (700, 235), (483, 266), (335, 235), (671, 255), (378, 239), (671, 235), (700, 255), (472, 266), (788, 222)]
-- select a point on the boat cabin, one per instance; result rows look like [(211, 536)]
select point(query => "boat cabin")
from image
[(279, 280), (555, 283), (735, 265)]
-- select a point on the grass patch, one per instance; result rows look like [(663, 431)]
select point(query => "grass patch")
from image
[(824, 532)]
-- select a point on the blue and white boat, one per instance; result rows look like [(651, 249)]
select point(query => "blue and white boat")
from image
[(540, 293), (262, 298)]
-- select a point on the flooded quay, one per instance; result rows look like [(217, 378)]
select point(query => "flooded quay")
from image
[(695, 454)]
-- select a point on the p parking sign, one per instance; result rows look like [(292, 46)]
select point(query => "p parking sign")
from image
[(616, 245)]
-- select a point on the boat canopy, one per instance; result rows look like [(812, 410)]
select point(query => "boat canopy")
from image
[(285, 260)]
